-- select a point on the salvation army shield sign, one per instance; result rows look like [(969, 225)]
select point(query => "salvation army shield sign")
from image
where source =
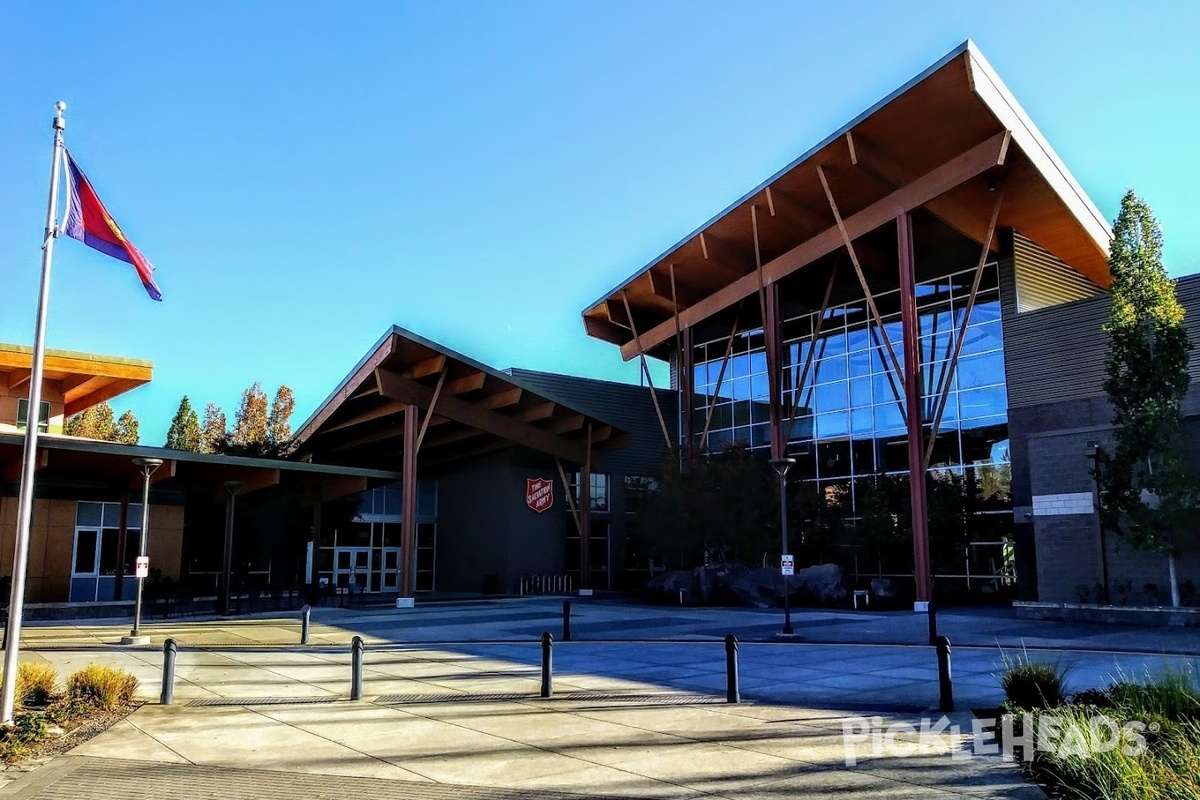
[(539, 494)]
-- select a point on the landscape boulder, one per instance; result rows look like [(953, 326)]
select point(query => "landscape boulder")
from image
[(820, 584)]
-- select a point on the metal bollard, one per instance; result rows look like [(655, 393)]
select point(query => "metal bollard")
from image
[(356, 668), (305, 618), (170, 650), (932, 615), (547, 664), (732, 695), (945, 682), (566, 621)]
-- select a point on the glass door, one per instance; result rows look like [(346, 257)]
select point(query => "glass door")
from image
[(85, 565), (352, 565), (389, 571)]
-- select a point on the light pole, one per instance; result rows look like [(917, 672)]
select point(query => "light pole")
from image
[(232, 488), (782, 465), (148, 465)]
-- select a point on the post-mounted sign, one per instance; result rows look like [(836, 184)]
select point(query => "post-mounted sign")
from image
[(539, 494), (788, 564), (141, 568)]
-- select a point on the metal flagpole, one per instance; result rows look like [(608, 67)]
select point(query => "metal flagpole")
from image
[(33, 418)]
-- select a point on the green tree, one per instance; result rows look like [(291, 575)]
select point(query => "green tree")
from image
[(279, 425), (212, 435), (250, 422), (1147, 495), (723, 507), (126, 431), (97, 423), (185, 432)]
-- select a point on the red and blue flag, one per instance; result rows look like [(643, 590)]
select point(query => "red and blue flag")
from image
[(89, 222)]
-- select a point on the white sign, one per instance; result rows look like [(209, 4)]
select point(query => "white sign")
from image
[(788, 565), (142, 568)]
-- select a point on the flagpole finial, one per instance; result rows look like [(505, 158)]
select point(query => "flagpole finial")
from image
[(59, 122)]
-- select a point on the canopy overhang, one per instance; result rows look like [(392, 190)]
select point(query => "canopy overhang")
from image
[(465, 409), (86, 379), (939, 143)]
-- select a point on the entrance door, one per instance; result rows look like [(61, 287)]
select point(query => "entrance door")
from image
[(352, 565), (389, 571), (94, 565)]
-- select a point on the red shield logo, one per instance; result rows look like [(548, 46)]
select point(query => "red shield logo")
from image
[(539, 494)]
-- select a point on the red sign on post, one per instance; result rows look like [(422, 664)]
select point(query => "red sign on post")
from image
[(539, 494)]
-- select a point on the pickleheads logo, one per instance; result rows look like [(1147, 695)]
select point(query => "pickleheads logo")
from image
[(1011, 737)]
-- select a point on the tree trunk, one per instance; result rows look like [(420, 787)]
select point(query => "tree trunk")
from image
[(1174, 580)]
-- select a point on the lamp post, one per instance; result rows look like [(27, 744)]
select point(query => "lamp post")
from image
[(148, 466), (232, 488), (781, 466), (1092, 451)]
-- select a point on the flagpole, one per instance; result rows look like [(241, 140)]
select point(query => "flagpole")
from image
[(33, 419)]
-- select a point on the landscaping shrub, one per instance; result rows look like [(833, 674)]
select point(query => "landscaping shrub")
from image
[(1032, 685), (103, 687), (35, 683)]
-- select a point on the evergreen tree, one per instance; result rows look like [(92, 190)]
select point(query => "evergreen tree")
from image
[(126, 431), (212, 436), (185, 432), (250, 424), (279, 426), (92, 423), (1147, 495)]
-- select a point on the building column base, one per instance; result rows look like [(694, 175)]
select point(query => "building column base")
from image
[(406, 602)]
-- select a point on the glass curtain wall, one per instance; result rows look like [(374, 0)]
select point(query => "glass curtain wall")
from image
[(844, 423)]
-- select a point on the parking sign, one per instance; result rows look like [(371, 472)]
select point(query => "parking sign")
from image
[(788, 565)]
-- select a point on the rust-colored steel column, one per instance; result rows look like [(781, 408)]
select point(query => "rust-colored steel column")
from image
[(774, 368), (408, 503), (585, 516), (912, 406), (687, 392)]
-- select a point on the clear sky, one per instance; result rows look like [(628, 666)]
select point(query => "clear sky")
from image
[(305, 174)]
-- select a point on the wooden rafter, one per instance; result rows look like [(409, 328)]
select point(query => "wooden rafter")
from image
[(397, 387), (970, 163)]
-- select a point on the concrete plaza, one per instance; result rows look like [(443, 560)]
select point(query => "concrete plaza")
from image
[(445, 710)]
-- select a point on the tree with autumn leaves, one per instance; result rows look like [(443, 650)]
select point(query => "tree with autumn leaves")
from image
[(261, 427), (97, 423)]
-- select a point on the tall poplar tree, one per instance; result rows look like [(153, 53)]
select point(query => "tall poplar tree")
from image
[(185, 432), (279, 425), (212, 436), (250, 424), (1147, 494)]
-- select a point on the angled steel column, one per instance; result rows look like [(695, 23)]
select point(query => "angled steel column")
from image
[(408, 503), (774, 368), (912, 404), (687, 393)]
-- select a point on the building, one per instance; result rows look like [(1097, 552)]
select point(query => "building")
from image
[(914, 303)]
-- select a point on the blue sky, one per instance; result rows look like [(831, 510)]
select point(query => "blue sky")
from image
[(305, 174)]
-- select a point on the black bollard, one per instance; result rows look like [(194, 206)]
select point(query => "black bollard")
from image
[(566, 620), (932, 615), (356, 668), (305, 617), (732, 695), (170, 650), (945, 683), (547, 664)]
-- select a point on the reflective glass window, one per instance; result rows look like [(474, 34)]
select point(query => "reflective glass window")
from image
[(985, 369), (987, 402), (833, 458), (835, 424), (832, 397), (860, 392)]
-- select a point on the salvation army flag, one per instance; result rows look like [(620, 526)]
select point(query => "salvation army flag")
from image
[(89, 222)]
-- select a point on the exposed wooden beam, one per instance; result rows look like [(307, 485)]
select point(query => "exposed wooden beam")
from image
[(392, 431), (460, 435), (504, 398), (467, 383), (429, 366), (403, 389), (936, 182), (725, 253), (568, 424), (538, 411), (334, 486), (370, 415), (18, 378), (437, 391), (650, 382)]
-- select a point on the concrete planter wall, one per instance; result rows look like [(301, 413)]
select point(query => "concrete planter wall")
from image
[(1120, 615)]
